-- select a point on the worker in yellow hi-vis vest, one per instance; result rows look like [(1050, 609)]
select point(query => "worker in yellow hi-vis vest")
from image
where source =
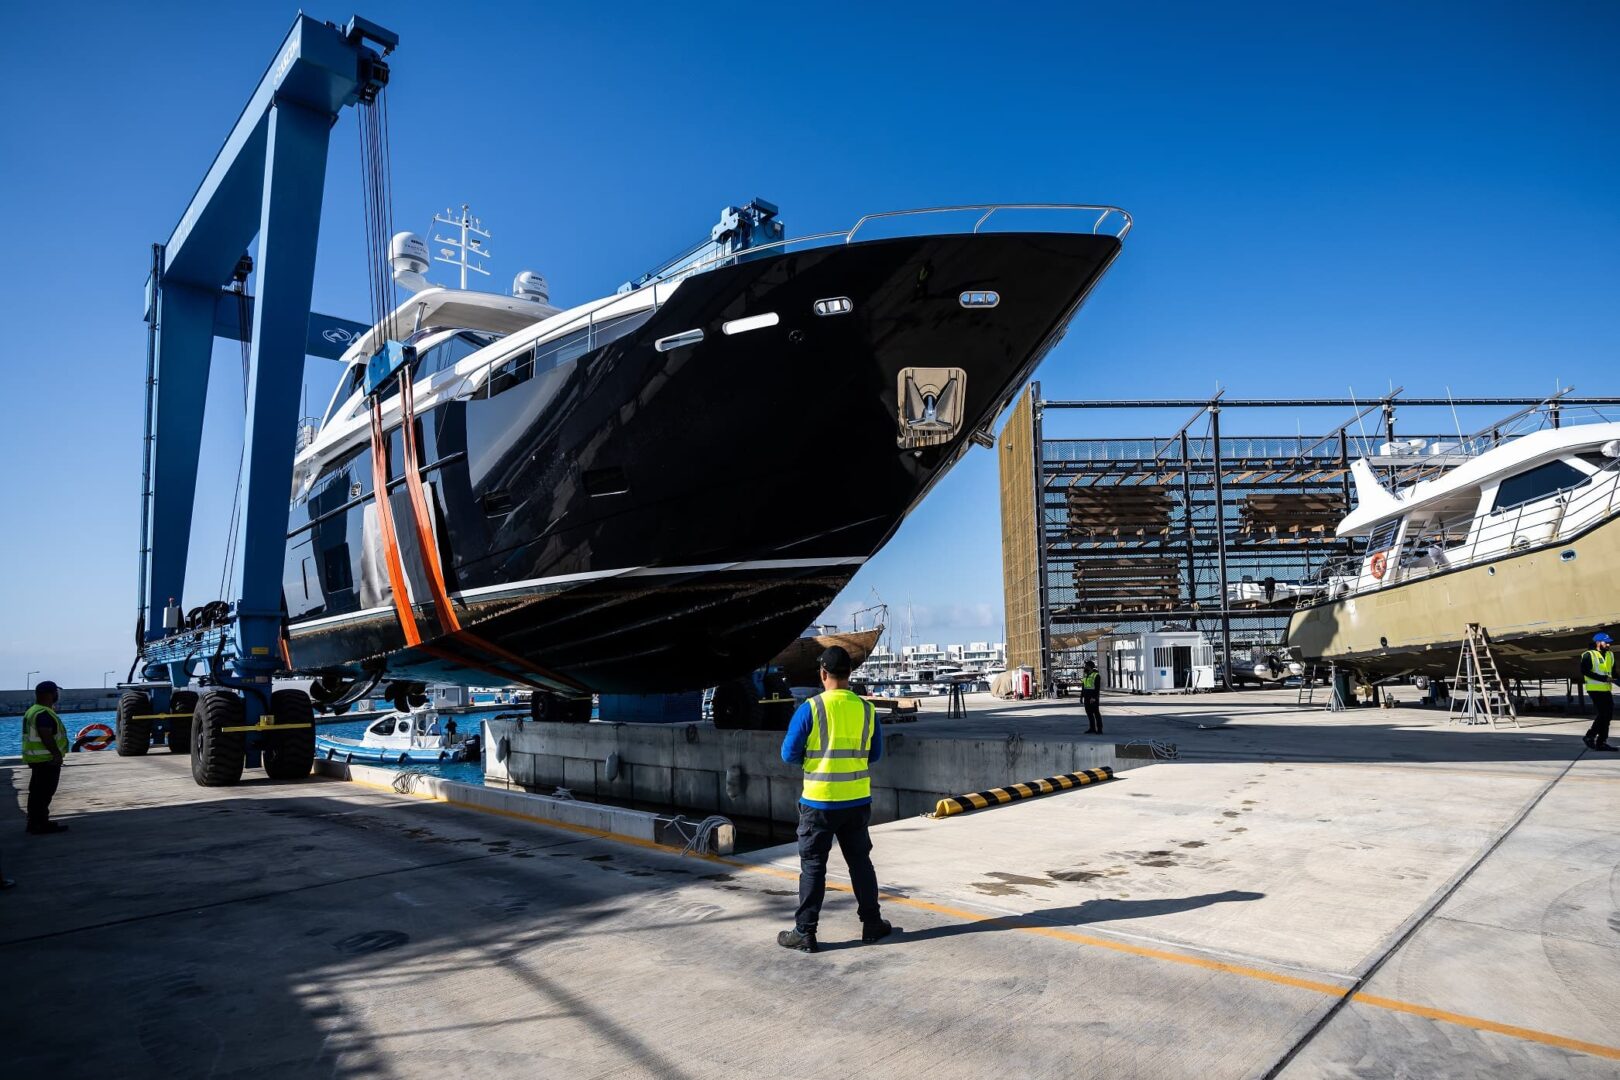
[(836, 737), (1597, 671), (1091, 696), (44, 747)]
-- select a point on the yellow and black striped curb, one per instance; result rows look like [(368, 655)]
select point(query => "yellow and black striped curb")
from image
[(978, 800)]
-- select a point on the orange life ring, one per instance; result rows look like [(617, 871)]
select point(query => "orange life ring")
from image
[(94, 737), (1380, 564)]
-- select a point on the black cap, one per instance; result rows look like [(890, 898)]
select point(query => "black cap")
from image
[(835, 661), (1091, 663), (46, 687)]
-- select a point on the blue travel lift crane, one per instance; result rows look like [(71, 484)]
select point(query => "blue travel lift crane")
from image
[(267, 180)]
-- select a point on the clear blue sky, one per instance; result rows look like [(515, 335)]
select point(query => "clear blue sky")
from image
[(1412, 193)]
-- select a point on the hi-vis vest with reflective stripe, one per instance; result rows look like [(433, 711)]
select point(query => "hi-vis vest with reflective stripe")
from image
[(34, 749), (1088, 681), (1601, 662), (835, 765)]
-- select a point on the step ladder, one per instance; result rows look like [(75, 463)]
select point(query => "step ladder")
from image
[(1307, 687), (1478, 695)]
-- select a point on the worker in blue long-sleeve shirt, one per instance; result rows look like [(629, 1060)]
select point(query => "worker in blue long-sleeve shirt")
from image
[(835, 737)]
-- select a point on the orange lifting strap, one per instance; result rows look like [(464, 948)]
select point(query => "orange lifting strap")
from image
[(428, 545)]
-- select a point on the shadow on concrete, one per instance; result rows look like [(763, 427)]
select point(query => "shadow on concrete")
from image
[(1082, 914), (298, 934), (1269, 726)]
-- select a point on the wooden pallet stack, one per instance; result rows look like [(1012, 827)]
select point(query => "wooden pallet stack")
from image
[(1274, 516), (1133, 584), (1115, 511)]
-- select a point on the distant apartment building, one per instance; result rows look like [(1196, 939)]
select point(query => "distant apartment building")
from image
[(882, 664), (983, 655)]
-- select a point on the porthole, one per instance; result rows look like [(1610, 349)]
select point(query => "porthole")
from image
[(1567, 555)]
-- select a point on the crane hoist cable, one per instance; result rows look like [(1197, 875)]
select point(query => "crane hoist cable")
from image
[(455, 644)]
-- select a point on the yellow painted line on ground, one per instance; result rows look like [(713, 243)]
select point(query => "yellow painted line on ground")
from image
[(1019, 923), (1481, 1024)]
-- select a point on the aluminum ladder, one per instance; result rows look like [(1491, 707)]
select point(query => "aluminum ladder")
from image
[(1478, 694)]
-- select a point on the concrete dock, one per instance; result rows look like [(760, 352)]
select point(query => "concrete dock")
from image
[(1303, 894)]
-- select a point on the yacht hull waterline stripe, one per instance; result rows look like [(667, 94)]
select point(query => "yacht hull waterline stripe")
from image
[(1029, 925), (978, 800), (496, 591)]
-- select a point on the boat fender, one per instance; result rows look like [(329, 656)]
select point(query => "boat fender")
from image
[(503, 748), (94, 737), (403, 758), (613, 765), (1380, 565), (441, 754), (691, 733), (736, 781)]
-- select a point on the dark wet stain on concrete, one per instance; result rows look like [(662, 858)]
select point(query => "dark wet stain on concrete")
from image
[(1191, 843), (1140, 795), (598, 858), (1074, 875), (715, 877), (1158, 862), (1008, 884), (1229, 813)]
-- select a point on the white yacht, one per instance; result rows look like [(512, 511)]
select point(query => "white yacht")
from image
[(1519, 537)]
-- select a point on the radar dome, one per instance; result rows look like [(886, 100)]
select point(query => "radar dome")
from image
[(408, 258), (531, 286)]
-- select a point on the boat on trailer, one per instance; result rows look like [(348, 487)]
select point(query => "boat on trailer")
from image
[(636, 494), (1517, 534)]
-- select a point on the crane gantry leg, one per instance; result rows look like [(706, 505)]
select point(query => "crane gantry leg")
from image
[(266, 181)]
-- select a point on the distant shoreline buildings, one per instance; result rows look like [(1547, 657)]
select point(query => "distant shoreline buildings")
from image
[(925, 661)]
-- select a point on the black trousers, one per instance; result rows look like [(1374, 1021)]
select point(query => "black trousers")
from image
[(817, 830), (1603, 700), (42, 780), (1093, 711)]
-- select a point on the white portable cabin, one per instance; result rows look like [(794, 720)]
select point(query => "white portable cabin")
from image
[(1156, 662)]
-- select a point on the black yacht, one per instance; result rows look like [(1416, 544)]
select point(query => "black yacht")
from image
[(658, 490)]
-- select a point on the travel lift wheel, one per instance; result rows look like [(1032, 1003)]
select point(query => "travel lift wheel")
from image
[(289, 755), (217, 756), (547, 707), (181, 701), (735, 705), (134, 734)]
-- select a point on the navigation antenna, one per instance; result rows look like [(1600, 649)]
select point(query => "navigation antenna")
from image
[(468, 245)]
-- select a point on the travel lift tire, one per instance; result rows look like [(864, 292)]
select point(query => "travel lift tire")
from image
[(735, 706), (134, 735), (546, 707), (217, 756), (290, 755), (181, 701)]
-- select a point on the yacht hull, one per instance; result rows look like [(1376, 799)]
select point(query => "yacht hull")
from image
[(1540, 607), (658, 521)]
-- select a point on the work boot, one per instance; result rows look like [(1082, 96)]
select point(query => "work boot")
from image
[(876, 931), (1591, 743), (795, 939)]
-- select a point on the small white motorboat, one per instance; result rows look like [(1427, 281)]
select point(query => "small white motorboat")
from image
[(421, 737)]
